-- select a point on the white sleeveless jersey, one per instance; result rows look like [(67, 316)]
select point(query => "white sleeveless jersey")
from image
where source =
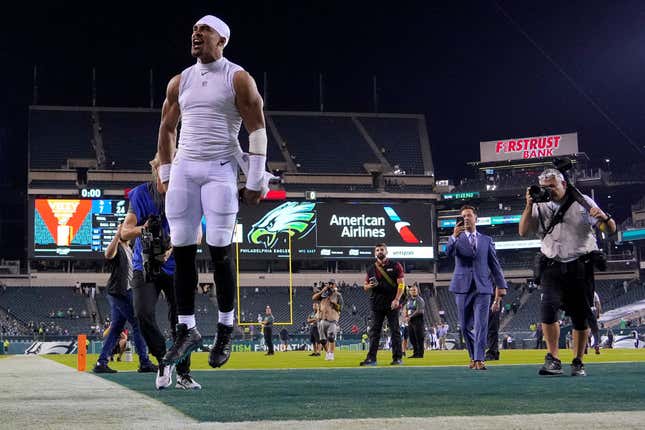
[(210, 121)]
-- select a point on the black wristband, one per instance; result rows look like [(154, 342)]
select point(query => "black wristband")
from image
[(609, 217)]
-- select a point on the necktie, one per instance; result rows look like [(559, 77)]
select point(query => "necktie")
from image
[(473, 243)]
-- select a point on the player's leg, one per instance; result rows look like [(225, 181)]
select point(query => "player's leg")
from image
[(220, 202), (184, 212)]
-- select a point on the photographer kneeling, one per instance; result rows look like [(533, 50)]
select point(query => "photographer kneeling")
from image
[(563, 220), (154, 267)]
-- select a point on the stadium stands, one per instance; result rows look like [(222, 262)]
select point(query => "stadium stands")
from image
[(55, 136), (49, 306), (325, 144), (130, 138), (398, 139)]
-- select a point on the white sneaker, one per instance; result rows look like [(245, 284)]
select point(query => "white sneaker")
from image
[(164, 376), (186, 382), (331, 356)]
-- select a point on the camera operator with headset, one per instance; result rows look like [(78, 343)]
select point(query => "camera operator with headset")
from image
[(563, 219), (154, 267)]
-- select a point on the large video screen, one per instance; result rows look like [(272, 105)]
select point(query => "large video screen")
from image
[(74, 227), (307, 229), (334, 230)]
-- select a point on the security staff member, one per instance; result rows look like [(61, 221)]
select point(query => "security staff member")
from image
[(492, 348), (267, 329), (314, 334), (385, 283), (415, 309), (566, 269)]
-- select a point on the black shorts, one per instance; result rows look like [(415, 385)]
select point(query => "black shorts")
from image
[(566, 286), (314, 334), (405, 333)]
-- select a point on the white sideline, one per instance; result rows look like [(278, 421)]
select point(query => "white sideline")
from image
[(40, 393)]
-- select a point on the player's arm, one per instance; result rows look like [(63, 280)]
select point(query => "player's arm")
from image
[(528, 223), (250, 105), (130, 230), (339, 303), (167, 140), (112, 248)]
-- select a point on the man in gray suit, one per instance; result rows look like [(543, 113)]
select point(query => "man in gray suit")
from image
[(476, 267)]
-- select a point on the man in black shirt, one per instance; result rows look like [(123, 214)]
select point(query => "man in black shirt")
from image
[(385, 283)]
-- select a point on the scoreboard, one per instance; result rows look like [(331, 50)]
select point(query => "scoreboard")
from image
[(74, 227), (82, 228)]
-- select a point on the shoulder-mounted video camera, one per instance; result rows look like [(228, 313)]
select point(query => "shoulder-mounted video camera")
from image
[(154, 243)]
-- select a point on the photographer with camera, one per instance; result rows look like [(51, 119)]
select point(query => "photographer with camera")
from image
[(385, 283), (563, 219), (119, 288), (154, 268), (331, 303)]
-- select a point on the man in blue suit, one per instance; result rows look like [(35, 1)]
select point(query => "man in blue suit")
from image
[(476, 267)]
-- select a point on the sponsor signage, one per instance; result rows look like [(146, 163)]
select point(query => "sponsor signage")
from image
[(517, 244), (627, 235), (525, 148), (335, 230), (460, 196), (509, 244), (494, 220)]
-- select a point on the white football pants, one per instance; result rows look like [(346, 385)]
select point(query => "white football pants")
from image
[(202, 187)]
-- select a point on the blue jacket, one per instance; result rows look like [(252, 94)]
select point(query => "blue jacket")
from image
[(481, 266)]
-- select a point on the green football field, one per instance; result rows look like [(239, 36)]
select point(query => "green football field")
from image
[(293, 385), (301, 359)]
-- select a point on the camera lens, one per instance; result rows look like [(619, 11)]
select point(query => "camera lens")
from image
[(539, 194)]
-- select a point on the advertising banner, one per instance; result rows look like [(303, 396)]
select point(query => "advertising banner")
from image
[(529, 147)]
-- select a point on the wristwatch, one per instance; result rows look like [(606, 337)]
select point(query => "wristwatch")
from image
[(609, 217)]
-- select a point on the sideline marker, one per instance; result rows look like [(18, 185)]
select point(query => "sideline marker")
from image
[(81, 352)]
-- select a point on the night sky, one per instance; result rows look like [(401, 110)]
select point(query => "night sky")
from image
[(478, 70)]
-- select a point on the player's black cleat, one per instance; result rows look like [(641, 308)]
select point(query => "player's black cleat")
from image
[(186, 342), (221, 351), (103, 368)]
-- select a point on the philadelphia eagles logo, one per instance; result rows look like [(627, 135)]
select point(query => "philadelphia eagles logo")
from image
[(294, 218)]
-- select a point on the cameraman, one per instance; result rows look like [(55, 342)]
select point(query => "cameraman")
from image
[(568, 252), (153, 273), (385, 283)]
